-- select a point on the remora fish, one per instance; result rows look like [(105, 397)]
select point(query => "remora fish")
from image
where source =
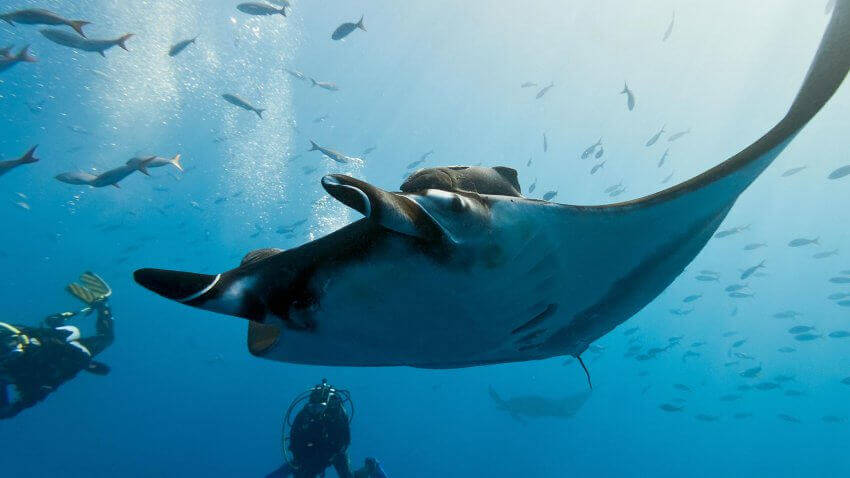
[(38, 16), (335, 155), (237, 101), (154, 162), (462, 242), (258, 8), (10, 164), (324, 85), (73, 41), (7, 60)]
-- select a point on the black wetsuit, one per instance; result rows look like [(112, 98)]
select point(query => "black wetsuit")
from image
[(319, 438), (46, 359)]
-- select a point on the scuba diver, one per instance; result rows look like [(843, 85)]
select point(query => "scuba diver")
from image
[(319, 436), (34, 361)]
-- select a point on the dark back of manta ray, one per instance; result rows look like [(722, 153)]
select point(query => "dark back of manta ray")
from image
[(499, 180)]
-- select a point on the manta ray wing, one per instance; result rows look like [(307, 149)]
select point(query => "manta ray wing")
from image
[(460, 275)]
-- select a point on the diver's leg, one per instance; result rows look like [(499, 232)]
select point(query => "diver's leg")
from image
[(285, 471), (104, 327), (342, 465)]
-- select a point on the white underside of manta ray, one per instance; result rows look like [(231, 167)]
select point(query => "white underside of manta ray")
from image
[(459, 269)]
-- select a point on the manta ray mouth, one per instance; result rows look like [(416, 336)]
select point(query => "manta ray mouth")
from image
[(176, 285)]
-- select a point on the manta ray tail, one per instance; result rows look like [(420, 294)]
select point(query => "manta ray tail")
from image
[(586, 371)]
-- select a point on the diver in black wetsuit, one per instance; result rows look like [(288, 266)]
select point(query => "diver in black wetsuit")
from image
[(319, 437), (34, 361)]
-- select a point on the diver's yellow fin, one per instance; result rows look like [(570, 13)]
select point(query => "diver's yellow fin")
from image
[(81, 293), (90, 289), (96, 285)]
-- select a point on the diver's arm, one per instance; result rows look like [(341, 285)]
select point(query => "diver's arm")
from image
[(104, 328)]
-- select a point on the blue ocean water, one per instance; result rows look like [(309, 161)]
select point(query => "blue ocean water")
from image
[(185, 398)]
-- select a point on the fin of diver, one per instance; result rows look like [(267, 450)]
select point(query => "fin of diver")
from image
[(90, 289), (392, 211), (98, 368)]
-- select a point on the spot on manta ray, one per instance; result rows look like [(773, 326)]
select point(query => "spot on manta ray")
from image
[(459, 269)]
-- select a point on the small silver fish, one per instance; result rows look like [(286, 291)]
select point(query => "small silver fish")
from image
[(752, 270), (527, 84), (793, 171), (38, 16), (83, 44), (751, 372), (335, 155), (806, 337), (731, 231), (825, 254), (324, 85), (630, 97), (544, 90), (788, 418), (237, 101), (590, 149), (765, 386), (549, 195), (262, 9), (180, 46), (614, 187), (597, 167), (669, 30), (663, 158), (803, 242), (675, 136), (655, 137), (735, 287), (345, 29), (840, 172), (754, 246)]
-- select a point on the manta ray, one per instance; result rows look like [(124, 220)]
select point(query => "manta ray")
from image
[(458, 269), (535, 406)]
